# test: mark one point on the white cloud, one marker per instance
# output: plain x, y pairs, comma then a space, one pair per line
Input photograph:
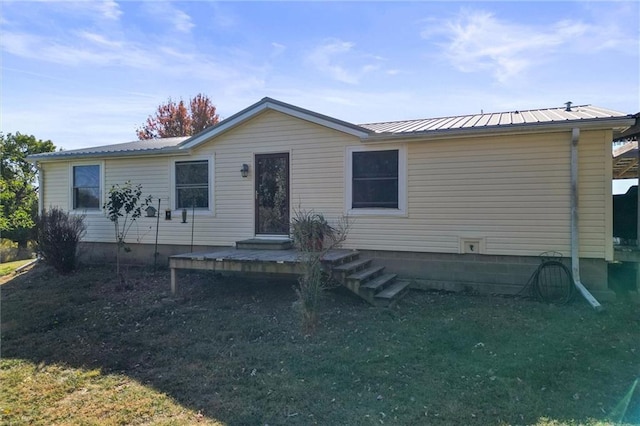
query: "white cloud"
166, 12
108, 9
182, 22
478, 40
278, 49
341, 61
98, 51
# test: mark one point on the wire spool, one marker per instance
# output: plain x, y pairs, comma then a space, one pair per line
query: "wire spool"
552, 282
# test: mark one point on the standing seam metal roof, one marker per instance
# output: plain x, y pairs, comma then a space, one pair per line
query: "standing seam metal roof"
473, 121
119, 148
537, 116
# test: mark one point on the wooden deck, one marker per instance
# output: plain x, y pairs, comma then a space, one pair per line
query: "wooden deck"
285, 262
626, 254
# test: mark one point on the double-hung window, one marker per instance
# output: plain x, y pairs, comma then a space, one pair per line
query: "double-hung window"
192, 184
376, 181
86, 187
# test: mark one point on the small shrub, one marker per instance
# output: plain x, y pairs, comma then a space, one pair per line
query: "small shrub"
58, 237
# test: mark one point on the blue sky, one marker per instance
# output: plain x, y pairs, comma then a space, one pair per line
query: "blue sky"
89, 73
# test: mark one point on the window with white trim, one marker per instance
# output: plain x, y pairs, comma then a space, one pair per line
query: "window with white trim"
192, 184
376, 181
86, 187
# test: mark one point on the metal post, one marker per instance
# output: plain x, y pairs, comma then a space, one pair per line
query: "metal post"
155, 248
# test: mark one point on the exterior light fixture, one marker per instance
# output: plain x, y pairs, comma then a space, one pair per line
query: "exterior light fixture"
244, 171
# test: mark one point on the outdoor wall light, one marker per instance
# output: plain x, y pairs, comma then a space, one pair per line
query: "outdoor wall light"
244, 171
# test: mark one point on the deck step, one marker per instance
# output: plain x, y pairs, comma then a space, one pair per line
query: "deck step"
264, 244
391, 293
352, 266
379, 283
336, 258
366, 274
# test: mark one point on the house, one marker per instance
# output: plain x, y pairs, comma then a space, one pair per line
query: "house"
465, 202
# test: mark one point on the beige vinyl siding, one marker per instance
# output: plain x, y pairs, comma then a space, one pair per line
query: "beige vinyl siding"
317, 163
316, 169
595, 197
512, 191
56, 185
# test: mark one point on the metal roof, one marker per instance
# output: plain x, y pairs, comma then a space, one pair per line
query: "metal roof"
127, 148
499, 119
423, 128
625, 161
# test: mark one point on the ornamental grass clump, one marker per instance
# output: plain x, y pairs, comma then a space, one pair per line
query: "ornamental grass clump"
314, 237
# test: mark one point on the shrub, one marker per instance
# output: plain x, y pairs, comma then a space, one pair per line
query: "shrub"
58, 237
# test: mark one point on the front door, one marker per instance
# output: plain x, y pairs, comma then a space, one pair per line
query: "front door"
272, 194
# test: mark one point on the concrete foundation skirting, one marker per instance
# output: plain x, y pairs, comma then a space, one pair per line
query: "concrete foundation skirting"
138, 254
481, 273
491, 274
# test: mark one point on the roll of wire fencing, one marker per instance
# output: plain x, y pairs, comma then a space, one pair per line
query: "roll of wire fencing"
551, 282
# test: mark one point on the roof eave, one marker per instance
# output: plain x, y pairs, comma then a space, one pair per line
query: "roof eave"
619, 123
61, 156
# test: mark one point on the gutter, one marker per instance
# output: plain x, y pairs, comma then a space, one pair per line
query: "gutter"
575, 237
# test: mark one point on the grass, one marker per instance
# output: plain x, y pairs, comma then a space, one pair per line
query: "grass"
8, 267
230, 351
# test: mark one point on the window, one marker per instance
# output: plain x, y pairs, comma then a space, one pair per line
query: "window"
375, 179
192, 184
86, 187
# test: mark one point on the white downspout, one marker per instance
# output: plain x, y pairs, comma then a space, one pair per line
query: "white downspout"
575, 237
40, 188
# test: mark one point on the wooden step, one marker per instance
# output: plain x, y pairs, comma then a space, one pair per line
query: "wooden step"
366, 274
339, 257
352, 266
264, 244
391, 294
379, 283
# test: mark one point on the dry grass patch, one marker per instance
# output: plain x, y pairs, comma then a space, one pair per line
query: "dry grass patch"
232, 350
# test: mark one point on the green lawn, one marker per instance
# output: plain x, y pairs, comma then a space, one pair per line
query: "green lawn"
230, 351
8, 267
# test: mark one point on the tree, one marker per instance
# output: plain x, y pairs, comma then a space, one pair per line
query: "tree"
18, 190
177, 119
123, 209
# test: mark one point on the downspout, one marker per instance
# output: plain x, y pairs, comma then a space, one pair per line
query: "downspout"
575, 237
40, 188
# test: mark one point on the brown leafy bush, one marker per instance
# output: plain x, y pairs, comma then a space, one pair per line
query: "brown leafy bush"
58, 237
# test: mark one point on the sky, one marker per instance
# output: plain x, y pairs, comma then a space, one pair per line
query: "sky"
89, 73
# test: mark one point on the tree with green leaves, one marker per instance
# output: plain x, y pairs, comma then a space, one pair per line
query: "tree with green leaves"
175, 119
18, 190
123, 208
